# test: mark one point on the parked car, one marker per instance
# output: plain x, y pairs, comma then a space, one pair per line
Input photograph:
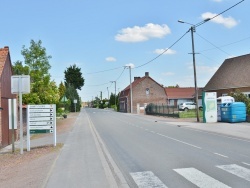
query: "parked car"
188, 106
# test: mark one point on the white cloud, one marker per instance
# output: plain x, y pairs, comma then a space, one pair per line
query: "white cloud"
110, 59
168, 52
139, 34
228, 22
131, 65
168, 73
201, 69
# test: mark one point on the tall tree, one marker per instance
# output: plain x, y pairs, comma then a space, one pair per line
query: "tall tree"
73, 76
61, 89
36, 59
19, 69
43, 91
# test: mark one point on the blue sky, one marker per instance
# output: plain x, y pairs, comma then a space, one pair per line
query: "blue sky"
99, 35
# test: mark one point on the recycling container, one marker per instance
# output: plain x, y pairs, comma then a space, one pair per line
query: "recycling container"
233, 112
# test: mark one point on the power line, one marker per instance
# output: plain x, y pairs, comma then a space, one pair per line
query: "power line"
213, 45
102, 71
163, 51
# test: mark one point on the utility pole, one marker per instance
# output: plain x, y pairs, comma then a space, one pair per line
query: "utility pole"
115, 92
131, 92
108, 96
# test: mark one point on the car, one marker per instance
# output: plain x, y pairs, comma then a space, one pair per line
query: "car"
185, 106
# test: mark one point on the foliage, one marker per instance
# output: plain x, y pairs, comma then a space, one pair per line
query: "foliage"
71, 94
73, 76
43, 91
61, 89
240, 97
176, 86
19, 69
36, 59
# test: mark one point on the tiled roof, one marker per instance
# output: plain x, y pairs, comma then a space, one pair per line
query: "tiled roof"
233, 73
3, 56
180, 93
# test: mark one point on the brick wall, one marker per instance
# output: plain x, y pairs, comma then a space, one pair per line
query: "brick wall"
147, 91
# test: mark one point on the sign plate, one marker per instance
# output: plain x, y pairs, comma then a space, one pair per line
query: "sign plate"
39, 131
41, 127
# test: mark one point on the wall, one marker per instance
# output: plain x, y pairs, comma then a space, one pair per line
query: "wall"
156, 94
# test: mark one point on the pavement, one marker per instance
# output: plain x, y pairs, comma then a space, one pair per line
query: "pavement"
95, 145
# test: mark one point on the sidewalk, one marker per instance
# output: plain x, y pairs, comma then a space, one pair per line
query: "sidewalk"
239, 130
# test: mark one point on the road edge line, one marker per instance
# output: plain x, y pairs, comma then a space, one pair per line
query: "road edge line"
113, 173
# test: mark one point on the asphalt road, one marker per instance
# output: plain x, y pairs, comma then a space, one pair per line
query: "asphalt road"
153, 153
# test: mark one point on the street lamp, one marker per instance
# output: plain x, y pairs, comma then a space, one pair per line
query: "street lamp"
131, 97
115, 92
192, 29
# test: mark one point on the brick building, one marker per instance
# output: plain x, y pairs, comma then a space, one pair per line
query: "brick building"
5, 94
145, 90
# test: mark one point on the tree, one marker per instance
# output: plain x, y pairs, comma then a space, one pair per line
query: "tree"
19, 69
43, 91
71, 94
240, 97
73, 76
61, 89
36, 59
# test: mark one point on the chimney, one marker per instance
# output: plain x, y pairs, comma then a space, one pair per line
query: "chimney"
6, 47
147, 74
136, 78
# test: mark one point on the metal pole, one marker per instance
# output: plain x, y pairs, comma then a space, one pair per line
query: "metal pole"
115, 95
195, 82
131, 97
21, 114
108, 96
12, 126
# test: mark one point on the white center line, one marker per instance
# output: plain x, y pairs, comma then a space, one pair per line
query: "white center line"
221, 155
179, 141
246, 163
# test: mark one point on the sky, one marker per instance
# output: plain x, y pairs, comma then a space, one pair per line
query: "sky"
103, 38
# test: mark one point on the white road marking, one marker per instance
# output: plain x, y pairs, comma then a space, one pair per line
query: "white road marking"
237, 170
221, 155
179, 141
199, 178
152, 131
246, 163
147, 179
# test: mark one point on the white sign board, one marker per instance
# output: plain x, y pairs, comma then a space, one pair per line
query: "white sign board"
20, 84
210, 107
14, 111
41, 119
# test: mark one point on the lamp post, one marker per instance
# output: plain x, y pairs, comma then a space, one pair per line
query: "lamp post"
192, 29
108, 96
131, 97
115, 92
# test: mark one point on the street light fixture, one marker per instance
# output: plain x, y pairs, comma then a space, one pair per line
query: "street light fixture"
192, 29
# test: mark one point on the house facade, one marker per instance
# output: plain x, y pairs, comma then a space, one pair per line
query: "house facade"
5, 94
232, 75
145, 90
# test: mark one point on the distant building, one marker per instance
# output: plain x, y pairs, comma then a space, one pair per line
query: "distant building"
232, 75
5, 94
145, 90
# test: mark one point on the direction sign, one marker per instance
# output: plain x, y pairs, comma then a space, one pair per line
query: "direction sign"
50, 106
41, 110
38, 131
41, 114
41, 119
31, 123
41, 127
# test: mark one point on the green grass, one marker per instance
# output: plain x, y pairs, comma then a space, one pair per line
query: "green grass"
189, 114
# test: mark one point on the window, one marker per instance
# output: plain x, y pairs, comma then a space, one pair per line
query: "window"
147, 91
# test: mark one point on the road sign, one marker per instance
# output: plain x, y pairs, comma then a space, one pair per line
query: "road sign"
40, 127
41, 131
41, 119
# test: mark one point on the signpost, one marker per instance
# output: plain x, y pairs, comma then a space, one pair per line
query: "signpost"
20, 84
41, 119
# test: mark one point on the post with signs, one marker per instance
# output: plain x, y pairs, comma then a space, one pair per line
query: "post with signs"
41, 119
20, 84
75, 101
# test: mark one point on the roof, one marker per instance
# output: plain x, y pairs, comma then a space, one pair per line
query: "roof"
3, 57
126, 91
233, 73
180, 93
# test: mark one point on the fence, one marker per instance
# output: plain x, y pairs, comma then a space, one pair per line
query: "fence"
163, 110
